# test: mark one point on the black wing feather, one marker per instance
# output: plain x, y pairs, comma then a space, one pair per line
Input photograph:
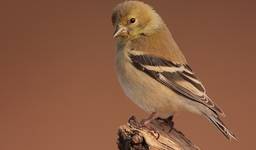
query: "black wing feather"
170, 79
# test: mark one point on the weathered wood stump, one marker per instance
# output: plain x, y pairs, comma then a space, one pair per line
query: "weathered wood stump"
160, 136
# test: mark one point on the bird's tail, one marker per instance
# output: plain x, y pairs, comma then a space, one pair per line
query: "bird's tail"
221, 126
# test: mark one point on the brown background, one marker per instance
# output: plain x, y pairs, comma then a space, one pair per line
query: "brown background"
58, 88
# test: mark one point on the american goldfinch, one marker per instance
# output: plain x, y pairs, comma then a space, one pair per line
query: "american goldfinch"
152, 70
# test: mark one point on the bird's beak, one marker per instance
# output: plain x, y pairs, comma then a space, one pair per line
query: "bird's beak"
120, 31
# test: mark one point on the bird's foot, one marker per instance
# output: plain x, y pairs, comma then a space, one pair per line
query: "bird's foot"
153, 131
168, 122
145, 123
149, 119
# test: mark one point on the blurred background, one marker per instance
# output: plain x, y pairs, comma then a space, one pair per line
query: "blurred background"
58, 87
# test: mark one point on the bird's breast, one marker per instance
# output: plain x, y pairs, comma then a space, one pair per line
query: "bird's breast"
143, 90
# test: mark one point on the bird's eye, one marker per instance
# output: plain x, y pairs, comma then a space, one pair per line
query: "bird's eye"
132, 20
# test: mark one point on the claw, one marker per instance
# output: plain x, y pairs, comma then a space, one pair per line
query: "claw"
168, 121
151, 129
149, 119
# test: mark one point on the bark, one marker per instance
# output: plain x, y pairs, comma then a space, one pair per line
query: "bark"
158, 135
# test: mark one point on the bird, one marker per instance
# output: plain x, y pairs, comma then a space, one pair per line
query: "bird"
152, 70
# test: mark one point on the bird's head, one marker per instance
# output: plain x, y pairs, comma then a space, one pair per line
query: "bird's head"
132, 19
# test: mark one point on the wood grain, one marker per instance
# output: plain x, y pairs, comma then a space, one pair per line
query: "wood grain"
158, 135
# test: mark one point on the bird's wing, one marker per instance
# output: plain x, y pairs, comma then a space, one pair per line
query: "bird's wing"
178, 77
